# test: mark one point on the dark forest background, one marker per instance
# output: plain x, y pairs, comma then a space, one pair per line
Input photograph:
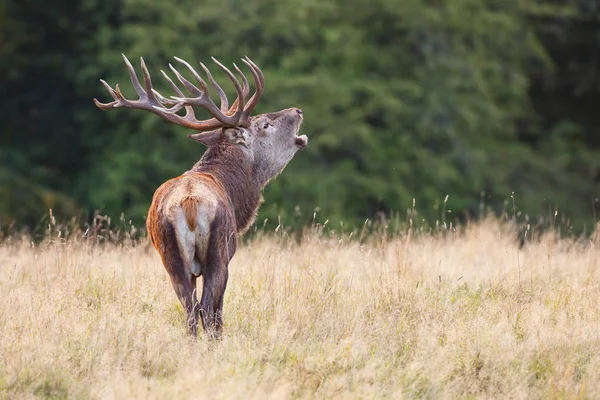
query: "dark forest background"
403, 99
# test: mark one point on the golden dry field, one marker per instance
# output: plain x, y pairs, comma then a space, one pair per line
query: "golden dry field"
464, 314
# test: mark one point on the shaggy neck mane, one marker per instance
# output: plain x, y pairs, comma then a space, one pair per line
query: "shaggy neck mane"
231, 168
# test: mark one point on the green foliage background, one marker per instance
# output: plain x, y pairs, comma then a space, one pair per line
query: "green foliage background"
403, 100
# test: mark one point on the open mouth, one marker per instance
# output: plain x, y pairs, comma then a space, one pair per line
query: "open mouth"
301, 141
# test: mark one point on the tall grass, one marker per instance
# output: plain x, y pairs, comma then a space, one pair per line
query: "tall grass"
467, 314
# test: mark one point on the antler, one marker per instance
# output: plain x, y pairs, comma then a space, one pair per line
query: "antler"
151, 100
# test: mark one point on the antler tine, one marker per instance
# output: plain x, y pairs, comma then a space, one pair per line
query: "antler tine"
164, 100
245, 89
240, 93
188, 85
194, 73
171, 83
134, 79
122, 98
148, 83
175, 106
258, 70
259, 82
245, 86
107, 106
222, 95
170, 102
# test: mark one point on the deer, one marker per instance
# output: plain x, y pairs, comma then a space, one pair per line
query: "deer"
195, 219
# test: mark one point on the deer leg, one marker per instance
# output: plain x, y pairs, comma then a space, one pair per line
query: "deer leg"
211, 303
218, 306
222, 246
185, 287
183, 281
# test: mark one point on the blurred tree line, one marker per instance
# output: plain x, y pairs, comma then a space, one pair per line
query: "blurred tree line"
474, 99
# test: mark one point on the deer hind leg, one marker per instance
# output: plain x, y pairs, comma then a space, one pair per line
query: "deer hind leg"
185, 288
221, 248
211, 303
184, 282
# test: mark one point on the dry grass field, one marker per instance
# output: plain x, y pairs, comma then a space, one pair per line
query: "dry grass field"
459, 315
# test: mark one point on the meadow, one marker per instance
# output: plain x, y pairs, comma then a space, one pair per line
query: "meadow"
465, 313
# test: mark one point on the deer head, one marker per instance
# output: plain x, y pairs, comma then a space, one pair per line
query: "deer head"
265, 142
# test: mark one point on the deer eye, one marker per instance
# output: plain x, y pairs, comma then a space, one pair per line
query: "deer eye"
266, 125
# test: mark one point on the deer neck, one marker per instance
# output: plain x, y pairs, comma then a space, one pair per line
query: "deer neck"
239, 180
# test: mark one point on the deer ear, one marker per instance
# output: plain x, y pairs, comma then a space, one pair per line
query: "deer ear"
208, 138
236, 135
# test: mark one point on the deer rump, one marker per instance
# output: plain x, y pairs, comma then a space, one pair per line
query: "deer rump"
188, 207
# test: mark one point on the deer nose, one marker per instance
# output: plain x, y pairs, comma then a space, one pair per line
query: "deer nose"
299, 111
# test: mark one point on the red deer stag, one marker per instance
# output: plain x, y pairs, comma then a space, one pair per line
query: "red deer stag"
195, 219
